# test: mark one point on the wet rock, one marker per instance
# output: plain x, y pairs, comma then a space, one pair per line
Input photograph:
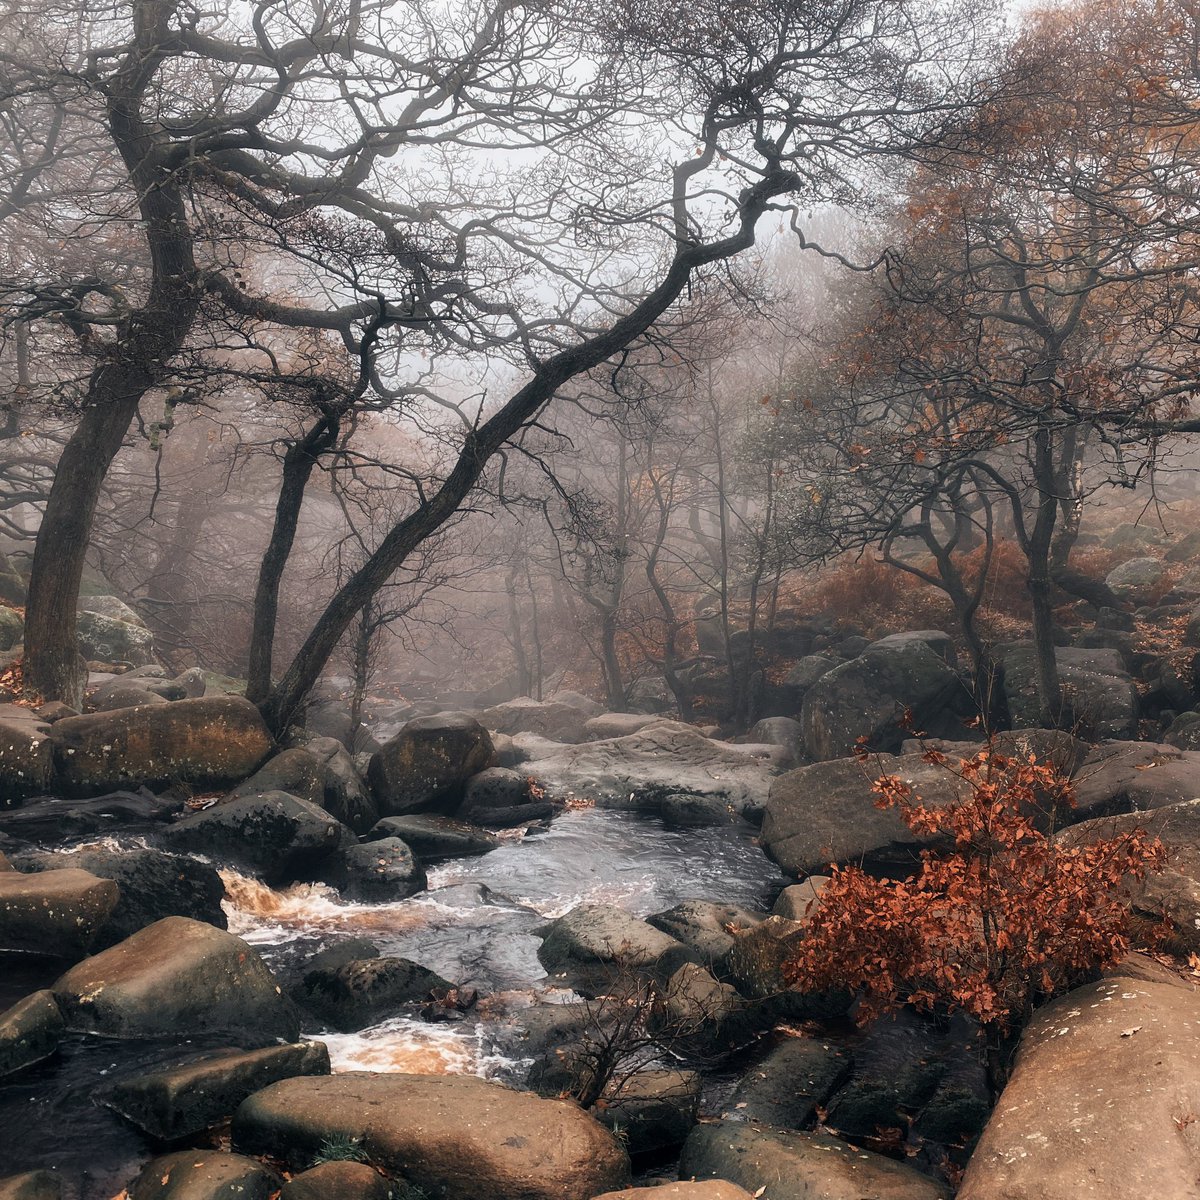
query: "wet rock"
800, 1166
799, 902
1101, 1101
29, 1032
593, 945
432, 837
56, 912
204, 743
640, 770
427, 763
495, 787
710, 1189
708, 927
786, 1088
50, 820
205, 1175
363, 992
152, 884
32, 1185
109, 640
552, 719
339, 1181
375, 872
1098, 687
26, 755
188, 1099
451, 1136
299, 772
697, 1011
176, 974
652, 1111
276, 836
683, 811
347, 796
868, 696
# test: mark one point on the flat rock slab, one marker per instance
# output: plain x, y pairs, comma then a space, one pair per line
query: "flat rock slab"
176, 974
779, 1164
54, 912
205, 1175
452, 1136
204, 743
188, 1099
1102, 1102
29, 1032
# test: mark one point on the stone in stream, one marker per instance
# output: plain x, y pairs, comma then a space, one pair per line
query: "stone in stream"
451, 1136
699, 1012
363, 992
788, 1165
431, 836
297, 771
500, 798
205, 1175
594, 945
186, 1100
800, 901
1103, 1098
278, 837
374, 872
786, 1088
176, 975
427, 763
153, 885
339, 1181
32, 1185
653, 1111
708, 927
204, 743
682, 810
29, 1032
347, 796
54, 912
47, 819
26, 755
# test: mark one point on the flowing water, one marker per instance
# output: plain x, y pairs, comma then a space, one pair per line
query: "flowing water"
476, 925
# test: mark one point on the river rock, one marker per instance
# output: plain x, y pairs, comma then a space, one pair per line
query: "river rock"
640, 770
32, 1185
26, 755
594, 944
276, 836
708, 927
204, 743
801, 1166
550, 718
376, 872
347, 796
1100, 692
205, 1175
681, 810
152, 884
54, 912
363, 992
709, 1189
452, 1136
697, 1011
427, 763
800, 901
185, 1100
109, 640
786, 1088
867, 697
651, 1110
297, 771
49, 819
1102, 1100
29, 1032
431, 836
339, 1181
176, 974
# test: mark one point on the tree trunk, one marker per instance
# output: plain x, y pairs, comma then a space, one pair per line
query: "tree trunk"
1040, 583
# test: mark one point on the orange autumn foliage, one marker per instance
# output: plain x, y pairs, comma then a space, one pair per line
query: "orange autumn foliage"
1003, 920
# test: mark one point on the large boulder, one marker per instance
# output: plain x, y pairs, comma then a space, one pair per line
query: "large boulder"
205, 743
1135, 776
185, 1100
347, 796
339, 1180
362, 992
1102, 1101
431, 836
549, 718
593, 945
787, 1165
152, 885
868, 697
787, 1087
709, 1189
427, 763
26, 755
12, 627
297, 771
1138, 581
451, 1136
54, 912
1095, 684
205, 1175
50, 820
651, 1110
640, 770
708, 927
29, 1032
122, 694
174, 975
374, 872
276, 836
110, 640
